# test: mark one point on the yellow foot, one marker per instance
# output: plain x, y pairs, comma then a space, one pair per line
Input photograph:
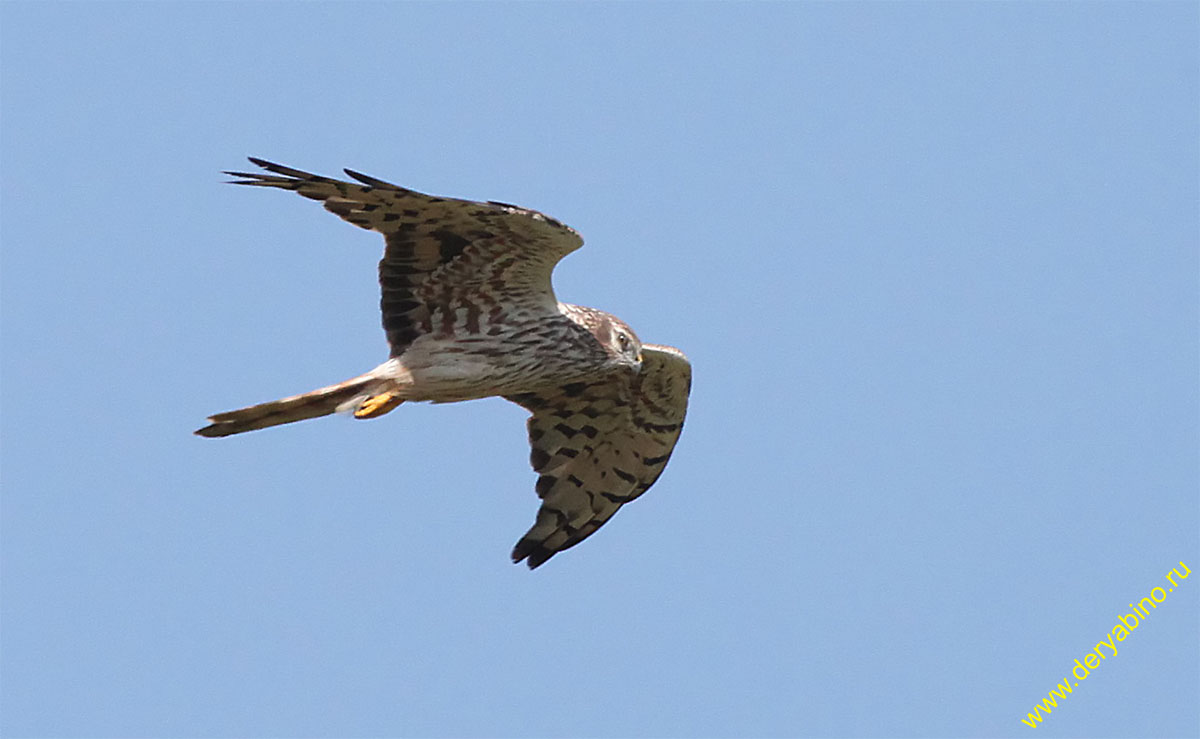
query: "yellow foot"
377, 405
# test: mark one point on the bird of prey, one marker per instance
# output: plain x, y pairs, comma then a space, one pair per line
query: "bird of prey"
469, 312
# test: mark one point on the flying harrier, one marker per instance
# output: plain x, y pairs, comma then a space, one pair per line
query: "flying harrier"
469, 313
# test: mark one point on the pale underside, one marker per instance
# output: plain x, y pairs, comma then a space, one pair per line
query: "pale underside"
469, 312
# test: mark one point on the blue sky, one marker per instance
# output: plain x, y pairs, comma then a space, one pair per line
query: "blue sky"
935, 266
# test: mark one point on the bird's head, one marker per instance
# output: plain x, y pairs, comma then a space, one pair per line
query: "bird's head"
621, 345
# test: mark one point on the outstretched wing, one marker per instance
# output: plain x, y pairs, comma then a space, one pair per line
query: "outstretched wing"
598, 445
441, 252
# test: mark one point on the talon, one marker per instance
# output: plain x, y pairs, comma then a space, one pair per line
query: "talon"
377, 405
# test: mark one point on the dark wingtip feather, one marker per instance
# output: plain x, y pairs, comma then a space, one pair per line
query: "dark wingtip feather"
279, 169
246, 178
521, 551
367, 179
532, 552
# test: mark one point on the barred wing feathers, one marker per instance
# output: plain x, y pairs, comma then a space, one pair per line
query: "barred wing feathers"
444, 257
598, 445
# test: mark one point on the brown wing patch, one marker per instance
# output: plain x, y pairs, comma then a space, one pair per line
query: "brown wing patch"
598, 445
446, 259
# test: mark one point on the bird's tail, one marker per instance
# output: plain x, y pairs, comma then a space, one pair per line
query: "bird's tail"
366, 395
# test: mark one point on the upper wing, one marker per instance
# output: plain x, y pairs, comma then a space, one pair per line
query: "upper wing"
599, 445
440, 251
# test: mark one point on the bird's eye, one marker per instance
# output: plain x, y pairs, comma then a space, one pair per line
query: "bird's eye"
623, 340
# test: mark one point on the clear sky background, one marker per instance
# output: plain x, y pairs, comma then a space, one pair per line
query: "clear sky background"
935, 266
